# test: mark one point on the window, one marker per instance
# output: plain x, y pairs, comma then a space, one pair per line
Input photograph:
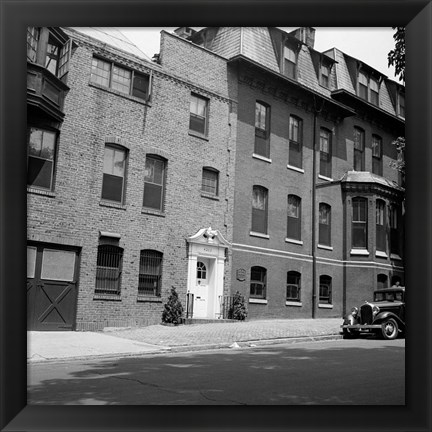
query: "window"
201, 271
258, 282
359, 142
359, 223
150, 273
363, 86
262, 130
382, 281
324, 224
33, 34
401, 105
374, 91
114, 174
198, 114
293, 286
377, 155
325, 290
294, 217
325, 76
259, 209
290, 62
325, 153
154, 183
295, 158
108, 74
210, 181
394, 230
380, 226
368, 88
41, 158
108, 269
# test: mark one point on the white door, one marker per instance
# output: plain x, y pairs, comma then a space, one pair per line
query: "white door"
201, 289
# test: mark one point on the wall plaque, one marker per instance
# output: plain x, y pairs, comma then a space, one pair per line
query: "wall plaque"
241, 275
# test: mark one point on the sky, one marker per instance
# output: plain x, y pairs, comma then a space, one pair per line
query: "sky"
369, 44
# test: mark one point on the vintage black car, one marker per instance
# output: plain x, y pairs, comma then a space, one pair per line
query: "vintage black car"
384, 316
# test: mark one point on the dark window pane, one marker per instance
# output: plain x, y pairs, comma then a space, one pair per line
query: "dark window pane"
140, 86
152, 196
197, 124
262, 147
295, 154
112, 188
40, 173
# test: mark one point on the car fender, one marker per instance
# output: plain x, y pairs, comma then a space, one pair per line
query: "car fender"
384, 315
351, 320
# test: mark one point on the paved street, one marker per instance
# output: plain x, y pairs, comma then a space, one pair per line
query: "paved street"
339, 372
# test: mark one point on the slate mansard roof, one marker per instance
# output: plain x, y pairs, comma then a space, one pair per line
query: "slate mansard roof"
264, 46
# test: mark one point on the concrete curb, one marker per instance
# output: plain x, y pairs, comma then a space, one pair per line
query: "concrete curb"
189, 348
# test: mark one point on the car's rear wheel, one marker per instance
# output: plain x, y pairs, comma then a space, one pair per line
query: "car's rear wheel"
389, 329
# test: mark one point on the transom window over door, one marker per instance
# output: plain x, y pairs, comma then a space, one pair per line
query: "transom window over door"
114, 171
41, 158
198, 114
154, 183
295, 156
259, 209
359, 223
294, 217
262, 129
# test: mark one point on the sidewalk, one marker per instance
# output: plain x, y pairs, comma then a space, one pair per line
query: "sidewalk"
112, 342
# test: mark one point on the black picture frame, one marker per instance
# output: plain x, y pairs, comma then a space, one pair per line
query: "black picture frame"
416, 15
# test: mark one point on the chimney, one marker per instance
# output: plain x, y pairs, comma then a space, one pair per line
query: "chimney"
184, 32
306, 35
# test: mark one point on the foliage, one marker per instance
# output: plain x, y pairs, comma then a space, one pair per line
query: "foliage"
399, 164
173, 309
238, 310
396, 57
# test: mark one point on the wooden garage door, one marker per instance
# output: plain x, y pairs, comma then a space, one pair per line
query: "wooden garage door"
52, 287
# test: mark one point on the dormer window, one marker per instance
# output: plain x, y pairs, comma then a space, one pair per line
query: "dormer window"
368, 88
290, 62
325, 76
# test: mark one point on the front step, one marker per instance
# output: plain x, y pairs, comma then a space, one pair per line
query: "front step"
207, 321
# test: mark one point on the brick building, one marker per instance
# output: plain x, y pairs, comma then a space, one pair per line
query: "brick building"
207, 169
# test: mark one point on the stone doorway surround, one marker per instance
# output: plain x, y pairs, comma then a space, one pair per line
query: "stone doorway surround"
209, 246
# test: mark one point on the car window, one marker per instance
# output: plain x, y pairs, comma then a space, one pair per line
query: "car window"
379, 296
399, 296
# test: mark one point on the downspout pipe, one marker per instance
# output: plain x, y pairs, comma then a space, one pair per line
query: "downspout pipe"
314, 215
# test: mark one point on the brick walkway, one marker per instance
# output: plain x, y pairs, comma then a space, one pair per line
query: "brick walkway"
221, 333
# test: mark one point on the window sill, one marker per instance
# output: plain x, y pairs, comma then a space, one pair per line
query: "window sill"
258, 301
395, 257
112, 204
320, 246
43, 192
381, 254
359, 252
293, 168
209, 196
256, 234
293, 241
118, 93
110, 297
263, 158
325, 306
324, 178
293, 303
149, 299
152, 212
198, 135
